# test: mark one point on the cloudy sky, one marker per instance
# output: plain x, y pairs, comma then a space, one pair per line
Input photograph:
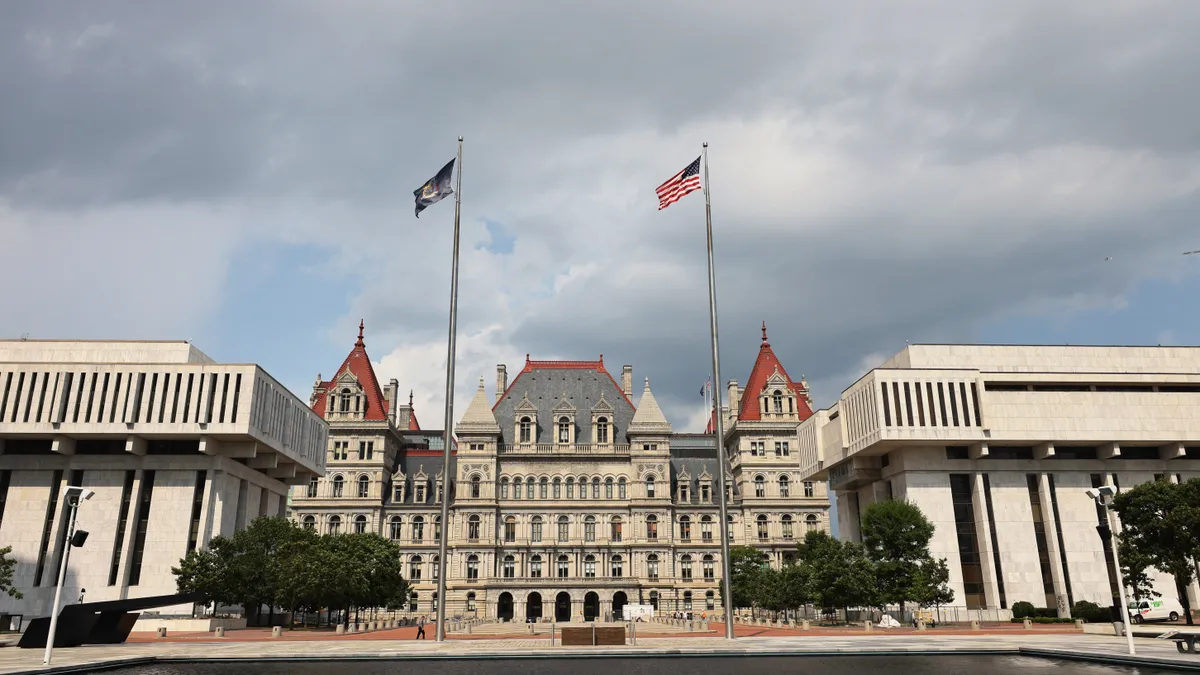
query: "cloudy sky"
241, 175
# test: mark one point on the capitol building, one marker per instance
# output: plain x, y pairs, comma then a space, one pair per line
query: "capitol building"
571, 495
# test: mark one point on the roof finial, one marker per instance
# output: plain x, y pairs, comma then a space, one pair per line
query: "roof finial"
647, 383
526, 357
410, 398
764, 330
360, 334
601, 359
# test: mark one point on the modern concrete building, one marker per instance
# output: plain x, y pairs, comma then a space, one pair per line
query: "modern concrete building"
998, 444
176, 447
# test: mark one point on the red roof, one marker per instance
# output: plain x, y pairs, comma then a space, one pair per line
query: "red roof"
597, 366
764, 367
359, 364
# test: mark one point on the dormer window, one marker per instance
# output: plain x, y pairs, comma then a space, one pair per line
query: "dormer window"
564, 430
602, 430
526, 430
777, 398
345, 401
683, 492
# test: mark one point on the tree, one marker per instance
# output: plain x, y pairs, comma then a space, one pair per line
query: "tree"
746, 572
896, 537
1135, 566
1159, 519
837, 574
931, 584
6, 573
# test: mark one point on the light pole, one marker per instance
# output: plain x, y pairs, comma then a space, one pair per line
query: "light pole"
72, 498
1103, 496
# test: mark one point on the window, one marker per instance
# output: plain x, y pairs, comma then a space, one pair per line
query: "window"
729, 526
338, 484
563, 529
685, 568
364, 487
394, 527
335, 524
808, 489
687, 600
437, 527
535, 566
777, 400
617, 565
503, 488
398, 491
509, 567
418, 529
787, 527
602, 430
615, 533
529, 488
510, 529
345, 401
412, 602
810, 523
654, 600
706, 528
544, 488
683, 492
564, 568
420, 498
685, 528
652, 566
366, 450
558, 488
608, 488
589, 567
536, 529
471, 602
475, 487
360, 524
781, 448
705, 493
784, 487
433, 602
310, 523
526, 430
570, 487
589, 528
621, 488
652, 527
472, 567
595, 488
758, 448
650, 487
564, 430
435, 566
760, 486
583, 487
710, 601
762, 527
473, 527
707, 564
312, 488
414, 568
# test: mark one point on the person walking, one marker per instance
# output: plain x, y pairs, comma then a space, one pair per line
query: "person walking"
421, 628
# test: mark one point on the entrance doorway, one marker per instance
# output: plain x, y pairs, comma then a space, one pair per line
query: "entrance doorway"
591, 606
562, 607
504, 609
619, 602
533, 607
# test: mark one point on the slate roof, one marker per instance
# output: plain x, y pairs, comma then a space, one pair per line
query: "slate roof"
546, 383
764, 367
359, 364
693, 454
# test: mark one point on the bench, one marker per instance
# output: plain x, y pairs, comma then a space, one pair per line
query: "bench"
1184, 642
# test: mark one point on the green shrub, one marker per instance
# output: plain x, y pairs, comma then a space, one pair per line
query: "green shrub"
1046, 612
1045, 619
1091, 612
1022, 609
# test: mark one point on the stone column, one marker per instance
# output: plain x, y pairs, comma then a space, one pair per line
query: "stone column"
983, 540
1050, 524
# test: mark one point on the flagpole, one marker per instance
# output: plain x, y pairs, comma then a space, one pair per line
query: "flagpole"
726, 576
447, 434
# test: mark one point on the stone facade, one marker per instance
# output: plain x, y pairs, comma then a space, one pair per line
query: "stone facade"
998, 445
568, 500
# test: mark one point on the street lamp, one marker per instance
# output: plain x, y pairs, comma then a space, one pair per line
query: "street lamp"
1103, 496
74, 496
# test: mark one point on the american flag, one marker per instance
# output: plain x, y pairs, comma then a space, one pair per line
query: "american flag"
679, 185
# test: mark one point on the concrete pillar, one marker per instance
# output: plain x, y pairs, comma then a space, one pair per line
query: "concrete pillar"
983, 539
1028, 624
805, 625
277, 631
220, 631
340, 630
162, 632
1051, 527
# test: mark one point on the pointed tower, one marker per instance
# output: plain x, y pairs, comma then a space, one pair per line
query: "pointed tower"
478, 420
649, 431
477, 433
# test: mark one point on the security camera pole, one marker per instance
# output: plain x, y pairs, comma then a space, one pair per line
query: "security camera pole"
1103, 496
73, 496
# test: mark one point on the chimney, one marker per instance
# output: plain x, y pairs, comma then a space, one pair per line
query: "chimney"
627, 380
501, 380
735, 398
392, 394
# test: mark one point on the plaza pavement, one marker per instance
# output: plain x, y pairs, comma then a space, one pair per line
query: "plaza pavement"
1060, 644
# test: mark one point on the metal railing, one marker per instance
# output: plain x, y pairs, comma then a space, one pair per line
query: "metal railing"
562, 449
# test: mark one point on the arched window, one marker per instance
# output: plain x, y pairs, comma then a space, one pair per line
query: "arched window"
810, 523
762, 526
654, 600
471, 601
708, 564
437, 527
335, 524
394, 527
729, 526
310, 522
535, 566
650, 487
472, 567
564, 567
786, 523
617, 563
602, 430
570, 487
652, 566
526, 430
685, 528
710, 601
345, 401
557, 487
784, 486
510, 529
504, 488
338, 484
652, 527
473, 527
509, 568
596, 488
435, 566
364, 487
589, 567
685, 567
589, 528
418, 528
563, 529
414, 568
413, 600
687, 601
360, 524
583, 487
760, 486
608, 488
312, 487
535, 534
544, 488
621, 488
564, 430
529, 487
706, 528
476, 484
615, 529
777, 399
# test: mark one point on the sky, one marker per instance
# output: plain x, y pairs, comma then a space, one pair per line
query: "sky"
241, 175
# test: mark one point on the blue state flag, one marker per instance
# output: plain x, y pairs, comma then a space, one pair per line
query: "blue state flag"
435, 189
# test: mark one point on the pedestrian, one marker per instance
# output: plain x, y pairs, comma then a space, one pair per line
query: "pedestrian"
421, 628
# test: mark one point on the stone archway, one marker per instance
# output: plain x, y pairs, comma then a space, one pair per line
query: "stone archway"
504, 608
533, 607
619, 601
562, 607
591, 606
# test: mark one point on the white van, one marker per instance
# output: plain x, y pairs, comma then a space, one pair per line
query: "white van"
1159, 609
